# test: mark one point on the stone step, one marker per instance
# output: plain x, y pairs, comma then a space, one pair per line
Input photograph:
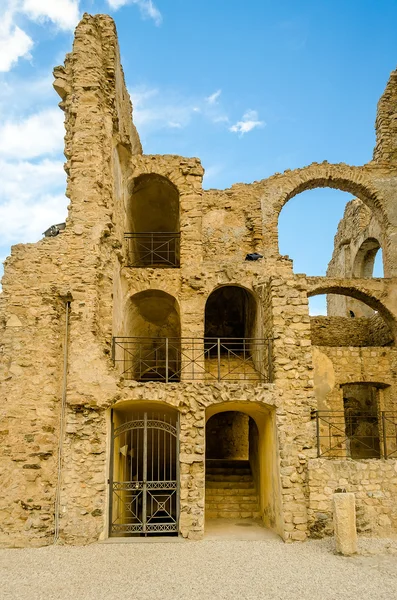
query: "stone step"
226, 463
235, 514
227, 471
235, 499
229, 484
225, 478
233, 491
226, 506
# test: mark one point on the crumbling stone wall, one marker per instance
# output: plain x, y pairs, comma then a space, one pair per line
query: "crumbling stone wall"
345, 331
374, 484
82, 274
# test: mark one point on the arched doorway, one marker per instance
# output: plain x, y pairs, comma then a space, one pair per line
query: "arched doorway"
153, 222
242, 468
234, 348
144, 471
231, 463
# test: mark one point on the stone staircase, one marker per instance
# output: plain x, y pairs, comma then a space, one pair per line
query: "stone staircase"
230, 490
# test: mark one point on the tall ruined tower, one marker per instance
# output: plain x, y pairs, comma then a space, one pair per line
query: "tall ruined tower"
152, 378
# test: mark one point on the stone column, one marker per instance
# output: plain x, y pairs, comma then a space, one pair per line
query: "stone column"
345, 523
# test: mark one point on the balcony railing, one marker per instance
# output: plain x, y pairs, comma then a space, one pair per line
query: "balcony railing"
361, 435
193, 359
153, 249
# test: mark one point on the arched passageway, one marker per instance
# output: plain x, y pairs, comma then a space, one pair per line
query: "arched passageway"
153, 222
242, 479
144, 470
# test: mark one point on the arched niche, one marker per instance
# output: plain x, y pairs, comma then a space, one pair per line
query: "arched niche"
234, 348
153, 226
152, 324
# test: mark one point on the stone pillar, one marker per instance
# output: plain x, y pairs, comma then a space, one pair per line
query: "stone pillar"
286, 303
344, 506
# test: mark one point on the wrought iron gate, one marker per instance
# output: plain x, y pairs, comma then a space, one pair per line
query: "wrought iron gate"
144, 474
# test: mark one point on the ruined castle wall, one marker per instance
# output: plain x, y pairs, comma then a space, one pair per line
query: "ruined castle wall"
86, 266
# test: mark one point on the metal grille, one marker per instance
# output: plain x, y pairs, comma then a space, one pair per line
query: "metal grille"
144, 474
153, 249
190, 359
358, 436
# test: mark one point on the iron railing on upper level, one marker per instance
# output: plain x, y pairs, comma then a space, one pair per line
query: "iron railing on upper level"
341, 434
151, 249
193, 359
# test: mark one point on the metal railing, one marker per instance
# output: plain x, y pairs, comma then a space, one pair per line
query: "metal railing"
389, 433
151, 249
193, 359
360, 435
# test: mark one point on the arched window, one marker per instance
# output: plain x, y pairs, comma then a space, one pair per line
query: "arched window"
153, 223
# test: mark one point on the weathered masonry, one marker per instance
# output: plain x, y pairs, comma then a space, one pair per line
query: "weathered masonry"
152, 378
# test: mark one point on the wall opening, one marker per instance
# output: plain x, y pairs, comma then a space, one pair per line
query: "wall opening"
152, 348
153, 238
361, 409
233, 344
367, 255
230, 313
144, 471
307, 226
242, 469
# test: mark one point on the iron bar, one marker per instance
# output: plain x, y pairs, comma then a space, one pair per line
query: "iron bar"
360, 435
144, 503
153, 249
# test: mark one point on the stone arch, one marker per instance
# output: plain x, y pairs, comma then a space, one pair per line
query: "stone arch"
337, 176
263, 456
365, 296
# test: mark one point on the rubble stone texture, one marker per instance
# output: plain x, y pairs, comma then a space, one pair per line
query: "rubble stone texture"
55, 425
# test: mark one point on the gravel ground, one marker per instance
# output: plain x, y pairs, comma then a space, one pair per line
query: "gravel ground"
227, 569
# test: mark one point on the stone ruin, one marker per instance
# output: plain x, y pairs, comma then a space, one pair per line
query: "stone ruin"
152, 377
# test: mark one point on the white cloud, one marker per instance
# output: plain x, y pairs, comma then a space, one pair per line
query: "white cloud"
248, 122
36, 135
32, 199
153, 110
213, 99
171, 109
147, 8
63, 13
14, 43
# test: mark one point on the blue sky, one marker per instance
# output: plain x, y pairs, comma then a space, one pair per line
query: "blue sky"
251, 88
